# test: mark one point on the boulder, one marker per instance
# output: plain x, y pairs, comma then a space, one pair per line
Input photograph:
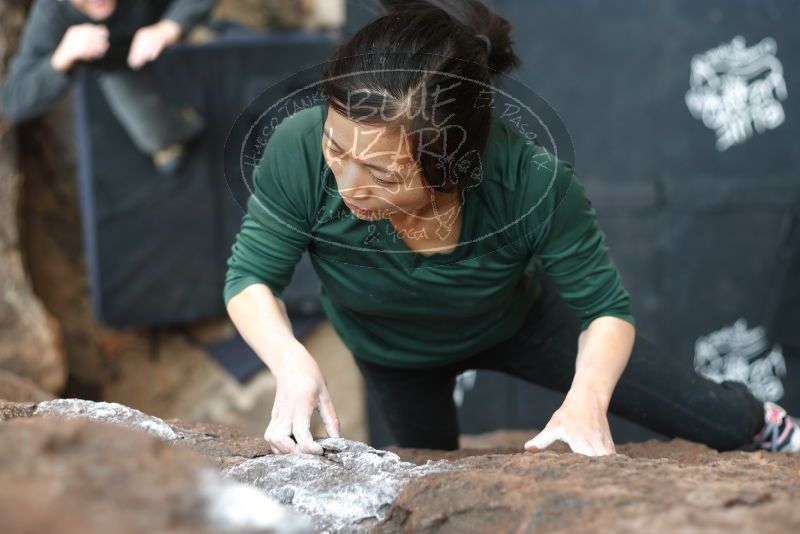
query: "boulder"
655, 486
83, 476
349, 488
52, 450
18, 389
30, 338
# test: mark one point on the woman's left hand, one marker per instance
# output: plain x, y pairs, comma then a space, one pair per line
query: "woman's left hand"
581, 422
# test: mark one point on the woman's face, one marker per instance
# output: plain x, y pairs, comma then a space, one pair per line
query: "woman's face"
95, 9
374, 168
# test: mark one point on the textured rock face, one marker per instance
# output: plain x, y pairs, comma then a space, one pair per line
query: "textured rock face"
106, 411
349, 489
17, 389
675, 486
225, 445
30, 339
83, 476
60, 464
12, 410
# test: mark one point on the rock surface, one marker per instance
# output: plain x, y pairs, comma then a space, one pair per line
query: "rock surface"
12, 410
348, 489
17, 389
656, 486
83, 476
30, 338
225, 445
106, 411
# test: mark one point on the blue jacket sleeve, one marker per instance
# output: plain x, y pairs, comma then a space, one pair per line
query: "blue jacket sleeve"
189, 13
32, 85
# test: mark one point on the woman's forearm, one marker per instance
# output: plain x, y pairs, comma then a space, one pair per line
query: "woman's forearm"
262, 320
603, 352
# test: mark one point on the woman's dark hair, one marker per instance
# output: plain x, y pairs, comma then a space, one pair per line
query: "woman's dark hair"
421, 67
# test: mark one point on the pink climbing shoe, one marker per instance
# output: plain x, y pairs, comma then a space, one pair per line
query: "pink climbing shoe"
781, 432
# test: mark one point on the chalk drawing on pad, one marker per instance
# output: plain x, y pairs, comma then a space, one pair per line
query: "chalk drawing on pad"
736, 89
744, 355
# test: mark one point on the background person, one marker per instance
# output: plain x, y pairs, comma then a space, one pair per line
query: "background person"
120, 37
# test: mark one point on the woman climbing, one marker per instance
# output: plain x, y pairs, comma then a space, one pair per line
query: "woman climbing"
445, 241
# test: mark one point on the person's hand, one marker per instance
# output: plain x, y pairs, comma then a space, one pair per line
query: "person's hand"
301, 390
81, 42
581, 422
150, 41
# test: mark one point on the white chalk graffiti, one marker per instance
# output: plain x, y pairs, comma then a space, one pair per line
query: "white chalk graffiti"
464, 382
735, 89
742, 355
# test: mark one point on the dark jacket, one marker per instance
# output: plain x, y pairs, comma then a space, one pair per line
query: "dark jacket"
33, 85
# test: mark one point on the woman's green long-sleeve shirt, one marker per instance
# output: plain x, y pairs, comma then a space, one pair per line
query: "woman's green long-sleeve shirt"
400, 308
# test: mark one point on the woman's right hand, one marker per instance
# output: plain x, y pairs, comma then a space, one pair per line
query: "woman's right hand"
301, 389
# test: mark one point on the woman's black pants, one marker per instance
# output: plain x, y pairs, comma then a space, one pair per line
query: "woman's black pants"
657, 390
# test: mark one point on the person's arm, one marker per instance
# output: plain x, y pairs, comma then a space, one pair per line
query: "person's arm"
603, 352
188, 13
33, 84
581, 421
572, 250
180, 16
261, 319
274, 233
